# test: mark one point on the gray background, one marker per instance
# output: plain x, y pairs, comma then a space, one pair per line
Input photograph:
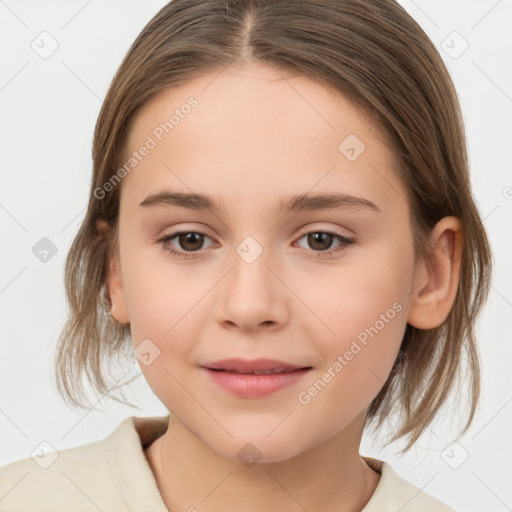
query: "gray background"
49, 107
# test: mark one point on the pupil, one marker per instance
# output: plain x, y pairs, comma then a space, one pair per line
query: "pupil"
190, 238
314, 238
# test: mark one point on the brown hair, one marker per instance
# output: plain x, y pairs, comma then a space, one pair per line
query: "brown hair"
378, 56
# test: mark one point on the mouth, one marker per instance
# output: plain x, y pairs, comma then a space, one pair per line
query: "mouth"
254, 378
253, 366
261, 372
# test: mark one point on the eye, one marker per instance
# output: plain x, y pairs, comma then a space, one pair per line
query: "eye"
191, 241
321, 240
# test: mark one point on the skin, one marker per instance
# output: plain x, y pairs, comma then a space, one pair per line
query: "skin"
256, 136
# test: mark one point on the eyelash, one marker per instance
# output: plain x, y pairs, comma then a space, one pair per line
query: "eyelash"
184, 255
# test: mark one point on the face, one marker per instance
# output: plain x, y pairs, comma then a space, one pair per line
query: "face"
320, 288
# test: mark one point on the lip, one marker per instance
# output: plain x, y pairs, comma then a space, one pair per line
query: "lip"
252, 385
250, 365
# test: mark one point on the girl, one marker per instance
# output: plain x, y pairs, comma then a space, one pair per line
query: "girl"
281, 228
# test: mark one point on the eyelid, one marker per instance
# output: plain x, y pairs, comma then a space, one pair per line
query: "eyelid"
303, 231
335, 230
183, 227
345, 242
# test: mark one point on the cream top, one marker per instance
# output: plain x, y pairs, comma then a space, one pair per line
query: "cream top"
113, 474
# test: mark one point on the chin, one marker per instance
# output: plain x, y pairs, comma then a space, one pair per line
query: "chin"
252, 450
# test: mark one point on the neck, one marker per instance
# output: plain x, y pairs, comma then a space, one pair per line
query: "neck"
329, 477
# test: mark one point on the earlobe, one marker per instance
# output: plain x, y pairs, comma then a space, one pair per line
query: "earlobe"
118, 310
437, 278
114, 283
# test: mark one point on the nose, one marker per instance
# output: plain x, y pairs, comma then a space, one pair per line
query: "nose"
252, 296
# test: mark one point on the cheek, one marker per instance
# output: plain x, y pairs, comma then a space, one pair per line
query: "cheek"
371, 286
363, 309
357, 363
160, 295
165, 305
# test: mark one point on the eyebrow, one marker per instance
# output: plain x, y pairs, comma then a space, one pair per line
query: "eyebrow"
295, 203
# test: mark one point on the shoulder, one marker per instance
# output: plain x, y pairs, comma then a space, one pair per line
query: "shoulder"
110, 475
395, 493
71, 479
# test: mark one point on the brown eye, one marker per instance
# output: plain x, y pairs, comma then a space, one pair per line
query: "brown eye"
191, 241
187, 241
321, 242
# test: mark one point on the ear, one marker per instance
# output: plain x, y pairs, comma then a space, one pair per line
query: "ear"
114, 283
437, 279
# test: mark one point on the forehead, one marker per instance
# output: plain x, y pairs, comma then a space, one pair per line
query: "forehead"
254, 91
256, 129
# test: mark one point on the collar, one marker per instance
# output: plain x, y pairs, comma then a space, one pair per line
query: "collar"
132, 475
